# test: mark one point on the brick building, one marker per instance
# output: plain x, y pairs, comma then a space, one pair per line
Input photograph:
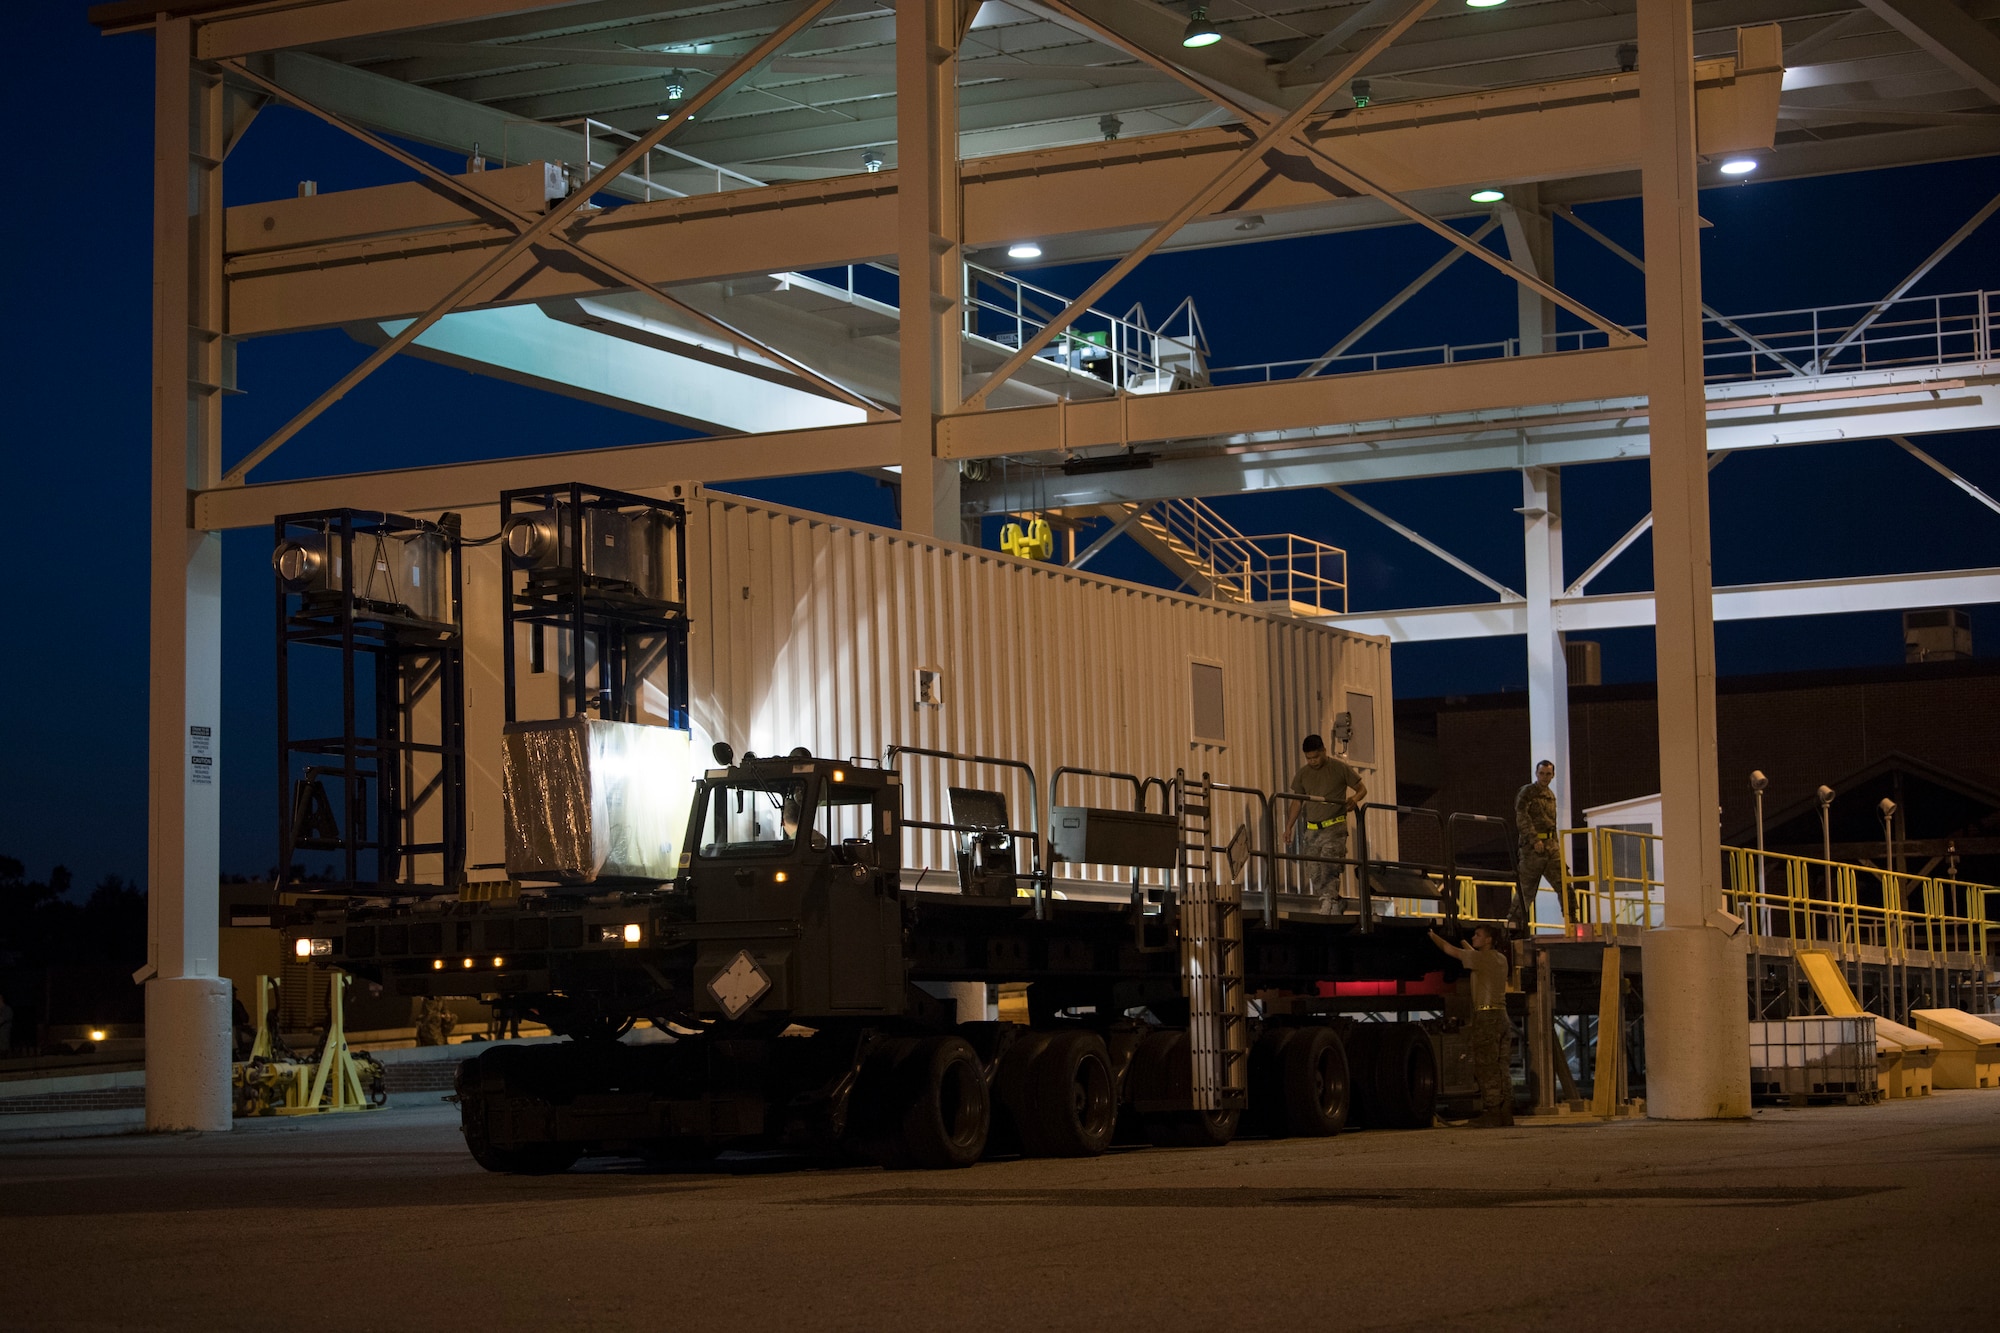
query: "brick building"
1801, 728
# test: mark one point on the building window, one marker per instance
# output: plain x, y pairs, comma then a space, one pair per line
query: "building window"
1205, 682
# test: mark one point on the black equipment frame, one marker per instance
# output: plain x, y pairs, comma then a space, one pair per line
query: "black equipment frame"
631, 634
412, 662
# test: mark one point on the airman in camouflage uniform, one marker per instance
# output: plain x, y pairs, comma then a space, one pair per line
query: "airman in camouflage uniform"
1535, 819
1485, 959
1335, 789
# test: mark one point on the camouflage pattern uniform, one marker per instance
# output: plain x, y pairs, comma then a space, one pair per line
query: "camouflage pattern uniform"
1329, 785
1492, 1053
1541, 849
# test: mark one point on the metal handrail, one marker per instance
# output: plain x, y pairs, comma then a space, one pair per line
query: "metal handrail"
1039, 876
1771, 344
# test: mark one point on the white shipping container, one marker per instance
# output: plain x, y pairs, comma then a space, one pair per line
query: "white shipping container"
846, 638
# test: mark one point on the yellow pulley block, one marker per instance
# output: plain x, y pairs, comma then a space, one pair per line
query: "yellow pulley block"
1037, 542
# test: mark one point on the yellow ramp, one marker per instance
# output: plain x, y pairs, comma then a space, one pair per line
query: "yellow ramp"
1828, 984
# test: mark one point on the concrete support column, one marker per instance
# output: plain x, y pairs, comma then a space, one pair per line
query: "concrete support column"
928, 256
1531, 245
187, 1004
1548, 669
1697, 1019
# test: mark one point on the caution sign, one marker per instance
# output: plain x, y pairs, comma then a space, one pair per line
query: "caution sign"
201, 756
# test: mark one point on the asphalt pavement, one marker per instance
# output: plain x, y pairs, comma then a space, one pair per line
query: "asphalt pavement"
1861, 1217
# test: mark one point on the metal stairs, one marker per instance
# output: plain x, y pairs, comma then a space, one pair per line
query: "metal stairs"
1212, 559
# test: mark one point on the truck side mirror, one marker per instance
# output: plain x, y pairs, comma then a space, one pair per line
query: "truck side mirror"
724, 755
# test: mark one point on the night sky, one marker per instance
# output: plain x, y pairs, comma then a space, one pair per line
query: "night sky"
73, 693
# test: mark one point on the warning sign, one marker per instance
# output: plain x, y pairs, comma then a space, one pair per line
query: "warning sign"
201, 756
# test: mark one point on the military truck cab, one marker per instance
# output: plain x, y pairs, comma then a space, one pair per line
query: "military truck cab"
793, 868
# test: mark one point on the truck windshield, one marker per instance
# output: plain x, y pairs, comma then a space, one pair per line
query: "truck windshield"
751, 818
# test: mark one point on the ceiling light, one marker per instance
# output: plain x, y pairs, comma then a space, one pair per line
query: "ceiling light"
1483, 4
872, 160
1739, 166
1488, 196
1200, 32
1360, 92
676, 90
1024, 250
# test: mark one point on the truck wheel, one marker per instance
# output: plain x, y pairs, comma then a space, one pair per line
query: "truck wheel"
1406, 1078
1193, 1129
1012, 1108
1267, 1083
530, 1159
1315, 1083
945, 1112
1072, 1099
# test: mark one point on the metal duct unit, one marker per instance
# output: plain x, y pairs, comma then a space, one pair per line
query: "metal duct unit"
397, 571
630, 552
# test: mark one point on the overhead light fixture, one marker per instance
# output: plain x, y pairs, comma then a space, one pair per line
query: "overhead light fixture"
1024, 250
1360, 92
1251, 223
1488, 196
1200, 32
1110, 125
1739, 166
1483, 4
1628, 57
872, 160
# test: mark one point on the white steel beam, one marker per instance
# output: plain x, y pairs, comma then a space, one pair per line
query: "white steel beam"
1697, 1027
637, 467
187, 1004
1947, 474
1758, 601
1157, 30
528, 235
1953, 38
1859, 405
1396, 302
1429, 392
930, 270
1901, 289
523, 345
1411, 535
397, 259
1548, 667
1272, 132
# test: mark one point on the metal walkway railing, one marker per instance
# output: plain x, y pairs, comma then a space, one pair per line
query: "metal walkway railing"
1202, 547
1916, 331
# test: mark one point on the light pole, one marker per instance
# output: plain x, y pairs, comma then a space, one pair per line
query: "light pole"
1757, 784
1888, 809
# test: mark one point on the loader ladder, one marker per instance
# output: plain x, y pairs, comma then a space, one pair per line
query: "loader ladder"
1211, 955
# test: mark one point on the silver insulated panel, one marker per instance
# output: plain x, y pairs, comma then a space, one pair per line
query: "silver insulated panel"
589, 801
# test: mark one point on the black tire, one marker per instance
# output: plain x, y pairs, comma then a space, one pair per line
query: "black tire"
1193, 1129
529, 1159
1072, 1098
1316, 1084
1267, 1083
1012, 1112
1406, 1078
944, 1112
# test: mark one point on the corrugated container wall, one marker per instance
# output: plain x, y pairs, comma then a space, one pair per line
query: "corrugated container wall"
847, 639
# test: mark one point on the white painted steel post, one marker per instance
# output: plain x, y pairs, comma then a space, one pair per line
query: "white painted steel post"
1548, 670
1697, 1020
928, 257
187, 1004
1531, 246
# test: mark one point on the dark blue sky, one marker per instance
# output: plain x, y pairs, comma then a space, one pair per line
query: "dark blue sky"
77, 287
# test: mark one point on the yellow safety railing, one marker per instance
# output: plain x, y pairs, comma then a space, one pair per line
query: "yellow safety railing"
1807, 901
1811, 903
